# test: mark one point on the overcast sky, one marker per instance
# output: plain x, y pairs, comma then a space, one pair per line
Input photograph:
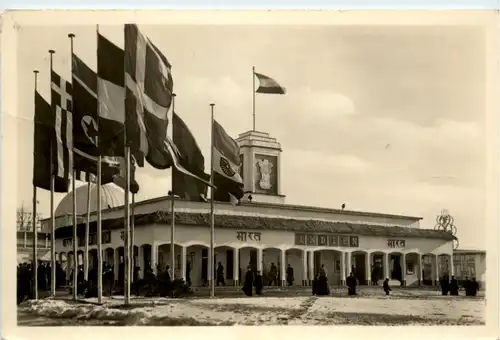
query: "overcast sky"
388, 120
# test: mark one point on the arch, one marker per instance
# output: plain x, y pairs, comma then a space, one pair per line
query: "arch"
272, 266
331, 260
294, 258
164, 258
146, 250
225, 256
377, 264
359, 265
197, 264
428, 269
248, 256
196, 243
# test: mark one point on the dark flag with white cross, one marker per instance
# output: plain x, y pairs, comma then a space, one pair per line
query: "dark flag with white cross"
149, 85
63, 137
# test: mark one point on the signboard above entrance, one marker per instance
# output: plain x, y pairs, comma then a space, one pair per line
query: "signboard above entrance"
302, 239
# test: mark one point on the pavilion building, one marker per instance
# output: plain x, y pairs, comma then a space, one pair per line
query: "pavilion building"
259, 231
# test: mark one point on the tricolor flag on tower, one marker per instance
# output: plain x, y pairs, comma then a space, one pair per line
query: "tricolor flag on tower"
268, 85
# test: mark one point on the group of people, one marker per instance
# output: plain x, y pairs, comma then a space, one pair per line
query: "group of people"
150, 284
44, 279
452, 286
251, 281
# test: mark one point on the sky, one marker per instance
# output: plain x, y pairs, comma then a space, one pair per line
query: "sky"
385, 119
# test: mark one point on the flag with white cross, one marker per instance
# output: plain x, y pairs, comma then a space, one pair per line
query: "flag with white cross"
149, 86
62, 146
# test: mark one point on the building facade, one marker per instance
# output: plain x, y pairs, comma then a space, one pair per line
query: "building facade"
471, 264
261, 231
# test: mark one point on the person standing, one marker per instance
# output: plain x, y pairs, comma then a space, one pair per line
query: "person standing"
220, 274
258, 283
188, 273
289, 275
387, 289
273, 273
248, 284
453, 286
474, 287
351, 285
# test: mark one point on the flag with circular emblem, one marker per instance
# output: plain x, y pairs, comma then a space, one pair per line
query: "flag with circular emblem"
226, 164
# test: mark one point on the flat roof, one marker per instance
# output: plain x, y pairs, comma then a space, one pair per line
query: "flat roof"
469, 251
272, 223
274, 206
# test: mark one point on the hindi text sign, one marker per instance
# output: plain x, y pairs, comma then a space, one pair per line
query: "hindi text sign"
396, 243
244, 235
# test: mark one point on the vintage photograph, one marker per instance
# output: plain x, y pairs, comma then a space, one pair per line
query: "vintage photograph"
250, 174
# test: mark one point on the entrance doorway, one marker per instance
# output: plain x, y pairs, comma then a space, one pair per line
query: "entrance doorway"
396, 272
359, 267
317, 262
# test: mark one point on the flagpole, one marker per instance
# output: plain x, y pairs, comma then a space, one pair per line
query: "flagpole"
35, 234
99, 228
87, 232
253, 102
211, 264
52, 214
99, 208
172, 202
52, 229
126, 248
132, 238
75, 225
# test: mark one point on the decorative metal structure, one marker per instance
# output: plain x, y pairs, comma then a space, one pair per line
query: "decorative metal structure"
445, 222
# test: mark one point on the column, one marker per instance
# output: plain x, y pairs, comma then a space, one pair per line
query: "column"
259, 259
452, 266
236, 267
304, 268
403, 270
436, 270
420, 270
283, 267
183, 262
116, 263
348, 263
311, 267
386, 266
342, 268
368, 271
154, 257
141, 262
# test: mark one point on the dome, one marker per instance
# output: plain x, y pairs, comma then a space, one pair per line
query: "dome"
111, 196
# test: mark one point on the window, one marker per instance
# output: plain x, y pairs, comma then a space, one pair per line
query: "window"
465, 265
410, 270
106, 236
337, 266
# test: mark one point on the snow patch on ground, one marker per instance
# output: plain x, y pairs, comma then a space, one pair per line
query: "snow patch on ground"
263, 311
